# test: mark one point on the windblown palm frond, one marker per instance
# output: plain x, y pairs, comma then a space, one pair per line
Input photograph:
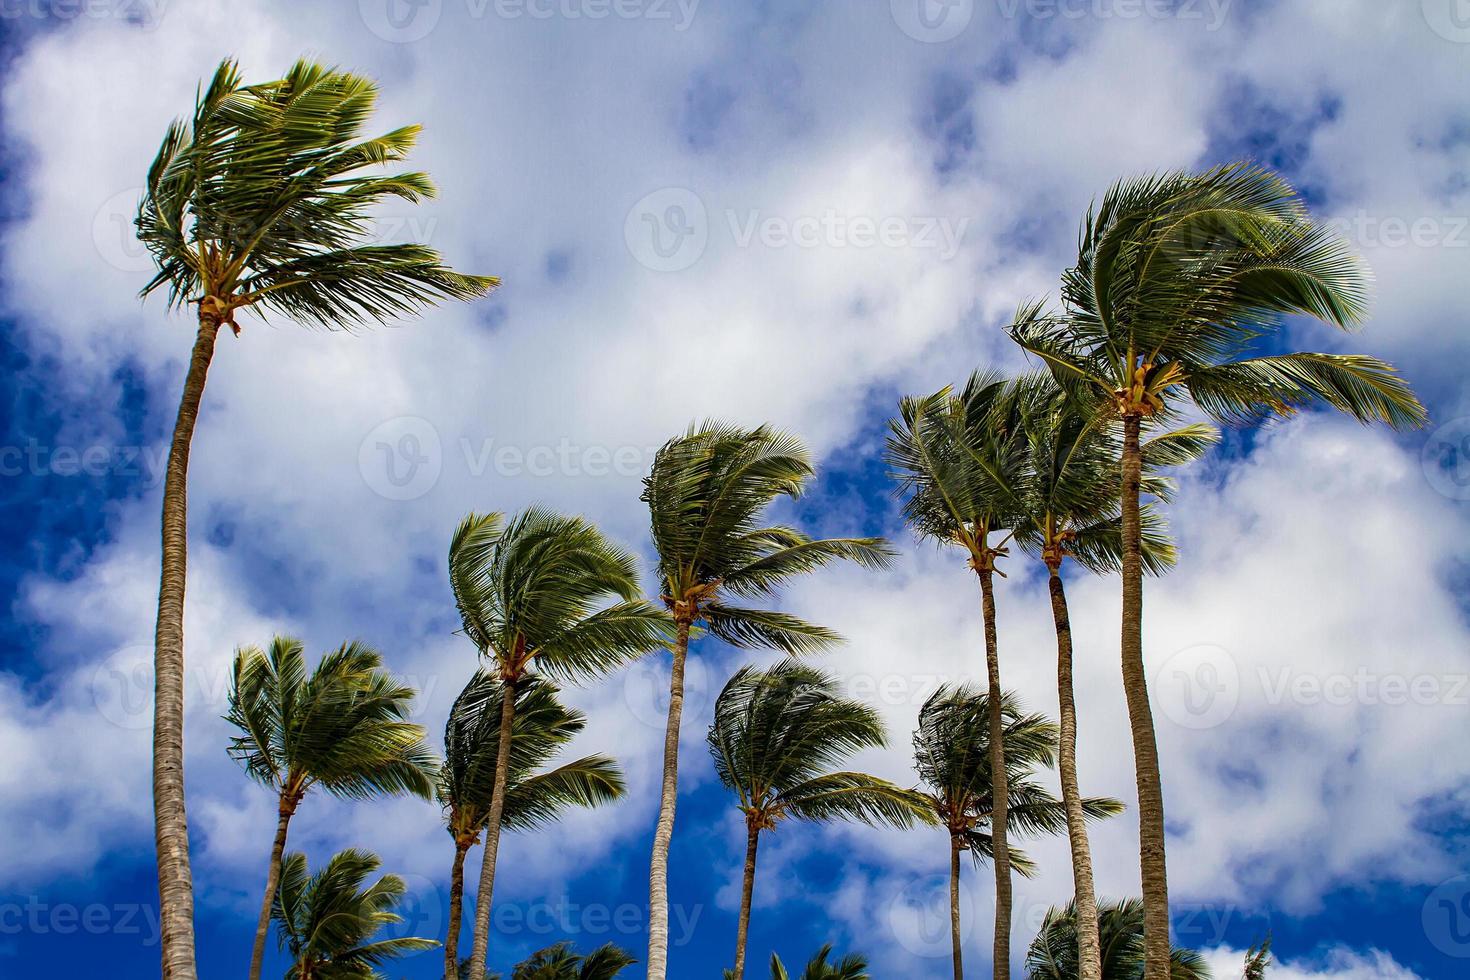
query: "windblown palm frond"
328, 922
1053, 953
267, 198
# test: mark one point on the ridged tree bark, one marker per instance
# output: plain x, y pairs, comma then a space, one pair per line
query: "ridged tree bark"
480, 947
456, 908
999, 785
286, 810
1141, 720
658, 870
954, 908
170, 823
1089, 952
747, 888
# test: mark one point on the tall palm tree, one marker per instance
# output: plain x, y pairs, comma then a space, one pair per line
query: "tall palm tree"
1053, 953
259, 202
1070, 508
344, 728
959, 460
853, 966
777, 734
327, 921
1180, 280
547, 594
953, 758
534, 798
707, 495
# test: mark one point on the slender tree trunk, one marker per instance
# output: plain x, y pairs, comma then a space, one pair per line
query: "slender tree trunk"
752, 840
481, 944
272, 879
999, 786
456, 909
170, 824
954, 907
1089, 952
1141, 720
658, 871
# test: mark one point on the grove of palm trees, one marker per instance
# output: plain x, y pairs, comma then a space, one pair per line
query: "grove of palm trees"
752, 595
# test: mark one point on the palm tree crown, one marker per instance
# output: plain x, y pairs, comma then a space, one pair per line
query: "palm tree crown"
328, 921
853, 966
259, 201
1053, 953
777, 734
707, 493
344, 727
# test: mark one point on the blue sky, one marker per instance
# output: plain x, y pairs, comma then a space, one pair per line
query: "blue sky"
779, 212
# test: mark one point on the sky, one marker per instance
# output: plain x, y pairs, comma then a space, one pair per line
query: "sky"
755, 211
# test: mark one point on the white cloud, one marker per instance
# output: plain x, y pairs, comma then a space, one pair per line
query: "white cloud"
1335, 963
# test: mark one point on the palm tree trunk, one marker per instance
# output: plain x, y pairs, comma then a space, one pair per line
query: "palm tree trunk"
272, 880
752, 840
658, 870
999, 787
1089, 952
481, 944
954, 907
1141, 720
170, 824
456, 909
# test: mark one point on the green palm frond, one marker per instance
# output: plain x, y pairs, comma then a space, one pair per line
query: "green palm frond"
266, 198
1053, 953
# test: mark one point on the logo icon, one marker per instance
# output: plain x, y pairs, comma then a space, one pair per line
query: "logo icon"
1446, 917
918, 916
667, 231
400, 21
1198, 687
114, 235
932, 21
646, 691
423, 909
1446, 459
122, 688
401, 459
1450, 19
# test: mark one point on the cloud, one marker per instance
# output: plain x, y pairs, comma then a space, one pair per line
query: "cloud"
1334, 963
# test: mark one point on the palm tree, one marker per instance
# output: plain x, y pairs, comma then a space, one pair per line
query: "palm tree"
344, 728
534, 798
1053, 953
853, 966
327, 921
707, 495
1180, 279
561, 962
1070, 508
543, 594
1257, 958
777, 734
953, 758
960, 461
258, 202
